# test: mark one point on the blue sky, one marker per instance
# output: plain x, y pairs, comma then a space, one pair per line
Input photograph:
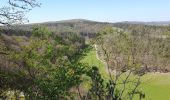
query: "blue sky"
101, 10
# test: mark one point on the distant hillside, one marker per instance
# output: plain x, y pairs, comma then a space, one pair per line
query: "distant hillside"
156, 23
79, 26
83, 27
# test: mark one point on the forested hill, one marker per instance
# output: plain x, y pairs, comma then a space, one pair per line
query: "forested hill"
154, 23
79, 26
84, 27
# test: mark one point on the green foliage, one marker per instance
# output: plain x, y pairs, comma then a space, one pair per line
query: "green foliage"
40, 31
48, 66
98, 90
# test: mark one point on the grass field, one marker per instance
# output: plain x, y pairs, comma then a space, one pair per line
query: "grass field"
93, 61
156, 86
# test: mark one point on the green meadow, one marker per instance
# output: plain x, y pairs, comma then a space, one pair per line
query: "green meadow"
156, 86
91, 59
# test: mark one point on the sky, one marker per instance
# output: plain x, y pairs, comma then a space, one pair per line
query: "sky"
101, 10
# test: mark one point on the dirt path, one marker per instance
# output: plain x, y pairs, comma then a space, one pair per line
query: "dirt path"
97, 56
105, 64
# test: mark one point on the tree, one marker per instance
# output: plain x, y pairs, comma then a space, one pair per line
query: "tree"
121, 53
97, 90
15, 10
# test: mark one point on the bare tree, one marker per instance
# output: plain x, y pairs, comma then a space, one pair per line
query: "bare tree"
13, 11
120, 53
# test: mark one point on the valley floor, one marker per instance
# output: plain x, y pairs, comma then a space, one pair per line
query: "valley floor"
156, 86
